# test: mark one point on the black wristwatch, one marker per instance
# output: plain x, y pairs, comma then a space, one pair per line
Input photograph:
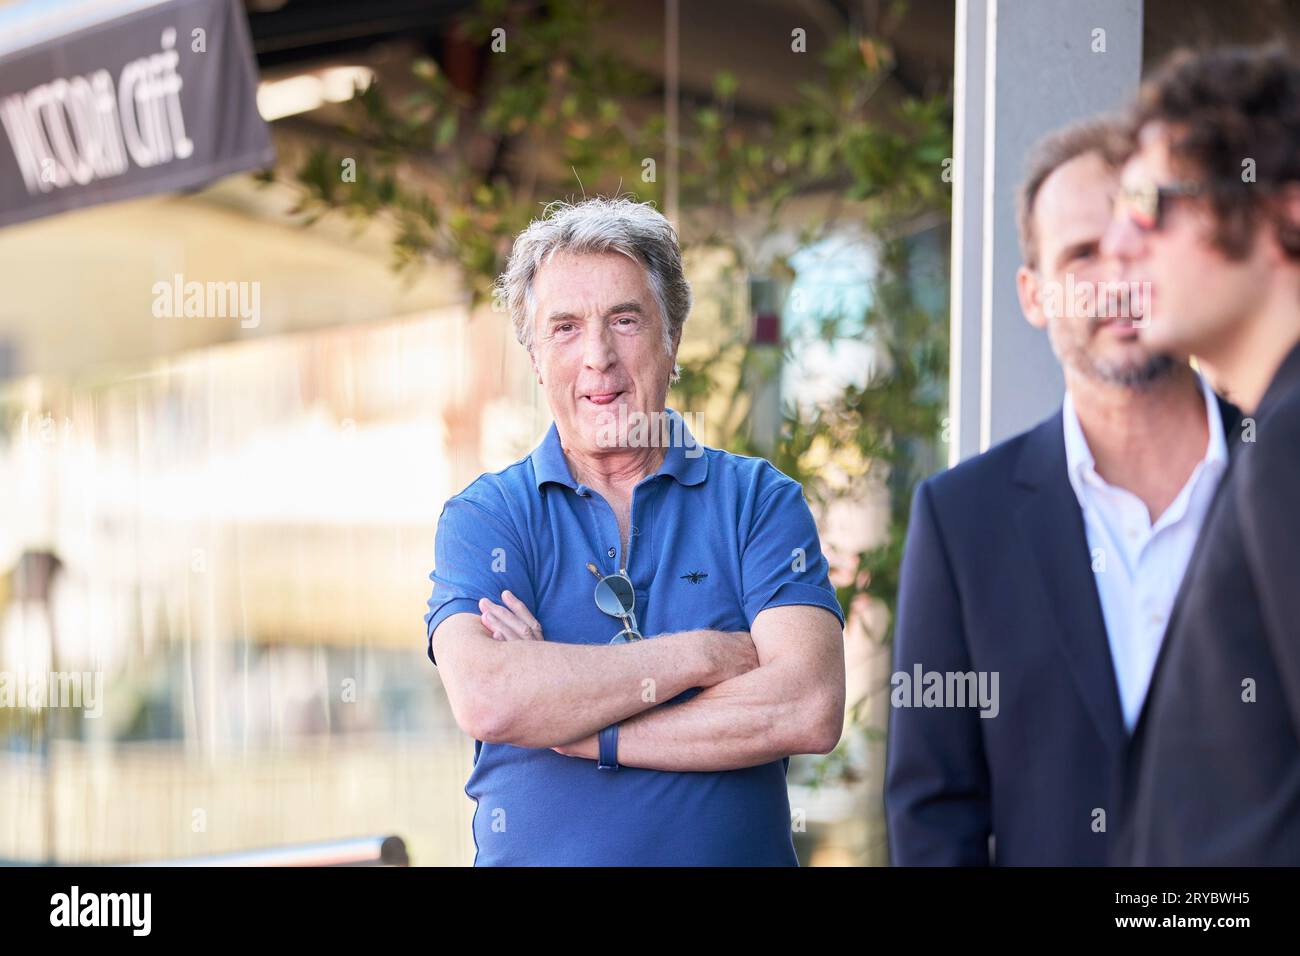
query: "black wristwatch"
608, 748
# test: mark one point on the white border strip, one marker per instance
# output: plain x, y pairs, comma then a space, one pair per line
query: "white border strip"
989, 224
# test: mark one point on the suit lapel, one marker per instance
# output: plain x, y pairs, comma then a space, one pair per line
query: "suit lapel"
1231, 415
1231, 419
1052, 525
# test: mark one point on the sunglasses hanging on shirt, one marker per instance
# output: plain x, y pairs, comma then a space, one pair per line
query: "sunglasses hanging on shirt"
616, 597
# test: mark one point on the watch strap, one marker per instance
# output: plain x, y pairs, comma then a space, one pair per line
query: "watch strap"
608, 748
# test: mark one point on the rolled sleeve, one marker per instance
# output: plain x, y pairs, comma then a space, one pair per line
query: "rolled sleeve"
782, 562
477, 554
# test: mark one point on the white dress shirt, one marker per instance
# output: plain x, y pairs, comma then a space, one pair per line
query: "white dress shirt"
1138, 565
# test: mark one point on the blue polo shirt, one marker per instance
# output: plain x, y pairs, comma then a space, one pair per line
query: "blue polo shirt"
716, 538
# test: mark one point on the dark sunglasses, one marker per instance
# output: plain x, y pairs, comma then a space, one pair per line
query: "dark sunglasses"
615, 596
1146, 205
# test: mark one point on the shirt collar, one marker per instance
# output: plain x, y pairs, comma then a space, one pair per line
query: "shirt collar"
1078, 456
684, 459
1217, 450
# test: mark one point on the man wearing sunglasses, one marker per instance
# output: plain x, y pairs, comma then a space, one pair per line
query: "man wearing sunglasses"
1050, 561
1209, 216
637, 631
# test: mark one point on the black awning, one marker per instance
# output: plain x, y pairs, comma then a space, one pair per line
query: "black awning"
160, 98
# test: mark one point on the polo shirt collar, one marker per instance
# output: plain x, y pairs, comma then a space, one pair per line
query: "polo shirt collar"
684, 459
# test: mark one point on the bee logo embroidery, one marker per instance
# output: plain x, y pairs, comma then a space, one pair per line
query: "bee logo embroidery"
695, 577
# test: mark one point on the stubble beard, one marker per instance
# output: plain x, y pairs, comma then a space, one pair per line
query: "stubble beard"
1151, 371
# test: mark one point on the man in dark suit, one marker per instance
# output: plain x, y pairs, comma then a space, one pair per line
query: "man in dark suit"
1037, 576
1210, 217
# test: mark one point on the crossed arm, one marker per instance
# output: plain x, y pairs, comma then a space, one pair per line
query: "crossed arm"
775, 691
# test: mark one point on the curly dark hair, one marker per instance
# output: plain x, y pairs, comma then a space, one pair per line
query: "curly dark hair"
1224, 107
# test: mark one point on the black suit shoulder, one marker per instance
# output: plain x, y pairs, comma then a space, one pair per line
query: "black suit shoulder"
977, 473
1276, 438
974, 492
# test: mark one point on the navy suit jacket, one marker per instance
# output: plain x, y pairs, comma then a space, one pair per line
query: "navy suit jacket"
1213, 775
997, 578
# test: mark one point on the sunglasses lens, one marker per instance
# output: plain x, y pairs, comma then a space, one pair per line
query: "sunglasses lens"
1142, 206
626, 636
614, 595
1142, 219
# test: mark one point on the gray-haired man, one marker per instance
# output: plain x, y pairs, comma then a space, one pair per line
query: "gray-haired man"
594, 746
